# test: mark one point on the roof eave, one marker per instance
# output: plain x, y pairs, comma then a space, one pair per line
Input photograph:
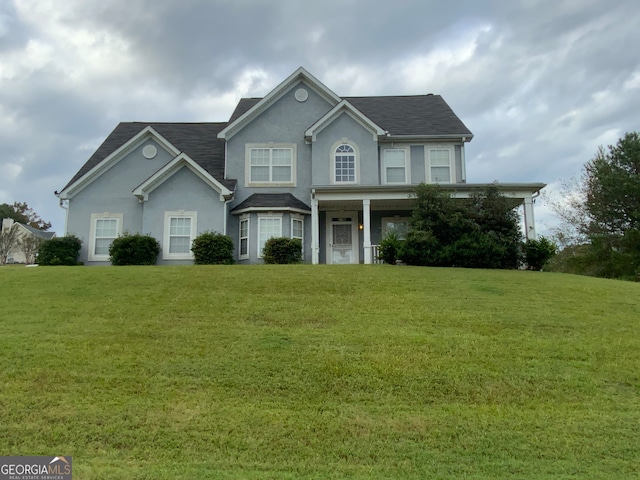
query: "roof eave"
463, 137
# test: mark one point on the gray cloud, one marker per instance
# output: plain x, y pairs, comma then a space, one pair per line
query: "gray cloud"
540, 83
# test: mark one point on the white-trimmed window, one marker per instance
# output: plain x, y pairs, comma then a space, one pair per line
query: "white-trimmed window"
396, 168
105, 227
269, 226
243, 250
270, 164
179, 232
345, 164
297, 228
398, 225
440, 170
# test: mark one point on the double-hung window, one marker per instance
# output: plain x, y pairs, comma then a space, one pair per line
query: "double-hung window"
270, 164
297, 228
243, 252
269, 226
105, 227
395, 165
179, 233
440, 165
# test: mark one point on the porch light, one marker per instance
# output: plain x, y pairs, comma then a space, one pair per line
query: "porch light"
360, 227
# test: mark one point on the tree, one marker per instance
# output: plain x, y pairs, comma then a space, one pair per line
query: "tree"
482, 232
8, 238
22, 213
604, 210
29, 245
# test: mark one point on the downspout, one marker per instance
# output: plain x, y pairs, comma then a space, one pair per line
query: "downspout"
66, 212
463, 161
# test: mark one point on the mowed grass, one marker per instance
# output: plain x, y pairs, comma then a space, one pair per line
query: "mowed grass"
357, 372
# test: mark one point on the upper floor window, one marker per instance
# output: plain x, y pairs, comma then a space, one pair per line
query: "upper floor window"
270, 164
440, 165
396, 169
345, 164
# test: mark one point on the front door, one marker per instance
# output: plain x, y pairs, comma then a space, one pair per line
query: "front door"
342, 238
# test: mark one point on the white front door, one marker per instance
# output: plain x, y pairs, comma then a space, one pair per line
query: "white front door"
342, 237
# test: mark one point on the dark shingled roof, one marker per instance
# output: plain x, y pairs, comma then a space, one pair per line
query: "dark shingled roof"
198, 140
421, 115
39, 233
411, 115
272, 200
244, 105
401, 115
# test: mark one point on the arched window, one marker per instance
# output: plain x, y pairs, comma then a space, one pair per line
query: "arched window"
345, 164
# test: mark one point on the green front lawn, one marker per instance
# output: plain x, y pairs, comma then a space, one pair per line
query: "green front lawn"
320, 372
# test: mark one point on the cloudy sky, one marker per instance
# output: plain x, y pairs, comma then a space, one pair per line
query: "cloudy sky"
540, 83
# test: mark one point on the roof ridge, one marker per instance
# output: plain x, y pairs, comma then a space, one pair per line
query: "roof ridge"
394, 96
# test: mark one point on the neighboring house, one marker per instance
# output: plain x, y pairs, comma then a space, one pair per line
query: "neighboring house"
302, 162
16, 252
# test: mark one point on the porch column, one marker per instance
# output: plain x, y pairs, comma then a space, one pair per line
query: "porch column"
366, 223
529, 222
315, 232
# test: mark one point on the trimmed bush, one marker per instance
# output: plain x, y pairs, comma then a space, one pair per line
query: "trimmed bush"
212, 248
390, 248
60, 251
134, 249
282, 250
538, 252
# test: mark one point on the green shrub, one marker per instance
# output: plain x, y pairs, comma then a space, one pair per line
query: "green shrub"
282, 250
538, 252
60, 251
212, 248
481, 232
134, 249
390, 248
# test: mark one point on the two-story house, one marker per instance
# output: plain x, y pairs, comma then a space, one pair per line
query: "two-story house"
301, 162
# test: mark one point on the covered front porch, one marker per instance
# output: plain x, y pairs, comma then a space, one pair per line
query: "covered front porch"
348, 224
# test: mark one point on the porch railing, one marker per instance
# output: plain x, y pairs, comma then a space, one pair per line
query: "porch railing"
375, 251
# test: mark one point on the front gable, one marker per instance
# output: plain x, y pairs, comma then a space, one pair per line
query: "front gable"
143, 190
344, 107
94, 170
300, 76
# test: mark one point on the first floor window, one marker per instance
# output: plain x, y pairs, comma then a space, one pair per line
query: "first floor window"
244, 238
440, 165
180, 228
297, 229
397, 225
268, 227
104, 230
395, 165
